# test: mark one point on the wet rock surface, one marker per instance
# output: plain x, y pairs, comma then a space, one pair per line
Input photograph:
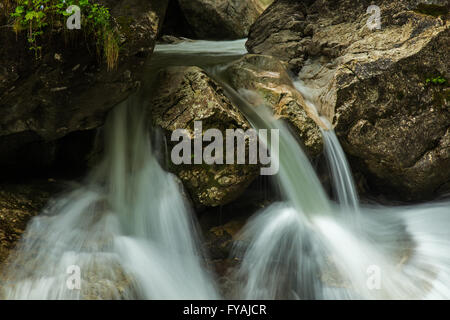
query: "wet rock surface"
184, 95
386, 90
270, 79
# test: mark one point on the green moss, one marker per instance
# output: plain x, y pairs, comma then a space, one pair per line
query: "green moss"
39, 18
432, 10
436, 80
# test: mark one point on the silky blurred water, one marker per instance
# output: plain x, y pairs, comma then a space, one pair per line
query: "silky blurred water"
133, 236
128, 229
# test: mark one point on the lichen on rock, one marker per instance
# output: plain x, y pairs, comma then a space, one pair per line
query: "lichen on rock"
184, 95
374, 85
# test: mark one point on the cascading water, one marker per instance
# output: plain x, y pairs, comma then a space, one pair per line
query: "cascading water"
128, 230
388, 253
131, 234
343, 184
284, 257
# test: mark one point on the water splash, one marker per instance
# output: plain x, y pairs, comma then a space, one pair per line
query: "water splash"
128, 229
303, 250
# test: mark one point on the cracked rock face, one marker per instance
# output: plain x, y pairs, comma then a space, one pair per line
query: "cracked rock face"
379, 87
221, 19
184, 95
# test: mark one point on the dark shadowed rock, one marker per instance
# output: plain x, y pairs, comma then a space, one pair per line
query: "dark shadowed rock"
69, 89
18, 204
221, 19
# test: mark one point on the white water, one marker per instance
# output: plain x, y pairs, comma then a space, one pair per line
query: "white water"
132, 235
128, 229
389, 253
303, 250
343, 185
340, 171
199, 47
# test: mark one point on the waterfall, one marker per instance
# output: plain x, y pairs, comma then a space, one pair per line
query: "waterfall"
303, 248
129, 234
127, 230
343, 184
293, 253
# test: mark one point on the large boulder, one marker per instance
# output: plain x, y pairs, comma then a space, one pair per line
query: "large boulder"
184, 95
69, 89
221, 19
279, 32
269, 77
386, 90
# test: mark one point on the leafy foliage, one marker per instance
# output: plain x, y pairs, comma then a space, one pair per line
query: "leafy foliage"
436, 80
39, 16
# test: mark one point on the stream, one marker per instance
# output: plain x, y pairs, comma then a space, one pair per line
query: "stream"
134, 236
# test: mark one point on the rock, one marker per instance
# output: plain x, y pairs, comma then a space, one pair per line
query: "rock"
166, 39
221, 19
175, 23
386, 90
222, 227
278, 31
69, 89
18, 204
184, 95
269, 77
286, 29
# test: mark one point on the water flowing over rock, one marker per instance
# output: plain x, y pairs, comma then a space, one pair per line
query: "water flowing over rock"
126, 229
269, 77
185, 95
386, 90
221, 19
18, 204
68, 89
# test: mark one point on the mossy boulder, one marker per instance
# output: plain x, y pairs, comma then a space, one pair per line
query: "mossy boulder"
187, 94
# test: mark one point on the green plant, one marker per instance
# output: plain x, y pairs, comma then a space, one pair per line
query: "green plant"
39, 16
436, 80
